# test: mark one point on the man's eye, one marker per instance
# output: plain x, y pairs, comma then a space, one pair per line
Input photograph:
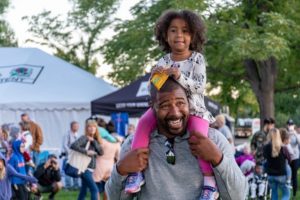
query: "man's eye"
181, 103
164, 106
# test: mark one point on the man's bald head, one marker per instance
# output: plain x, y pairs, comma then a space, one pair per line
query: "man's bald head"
168, 86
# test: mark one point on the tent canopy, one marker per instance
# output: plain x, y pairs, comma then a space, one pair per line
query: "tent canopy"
134, 99
52, 91
33, 79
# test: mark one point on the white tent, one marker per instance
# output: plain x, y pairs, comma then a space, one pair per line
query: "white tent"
52, 91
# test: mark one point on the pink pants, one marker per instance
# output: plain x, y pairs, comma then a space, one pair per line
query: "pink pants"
147, 124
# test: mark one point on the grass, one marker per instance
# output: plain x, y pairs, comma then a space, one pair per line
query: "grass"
72, 195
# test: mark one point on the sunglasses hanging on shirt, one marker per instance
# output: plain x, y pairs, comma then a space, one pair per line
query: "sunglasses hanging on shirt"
170, 153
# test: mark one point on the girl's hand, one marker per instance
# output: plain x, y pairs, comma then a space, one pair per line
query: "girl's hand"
174, 72
157, 69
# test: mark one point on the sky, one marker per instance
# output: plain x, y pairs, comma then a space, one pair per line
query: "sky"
20, 8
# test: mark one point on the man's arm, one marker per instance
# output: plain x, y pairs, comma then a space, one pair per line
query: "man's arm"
231, 182
129, 162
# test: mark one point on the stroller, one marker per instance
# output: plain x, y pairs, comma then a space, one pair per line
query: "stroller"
258, 184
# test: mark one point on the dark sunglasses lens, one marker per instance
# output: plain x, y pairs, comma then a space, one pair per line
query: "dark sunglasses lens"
171, 157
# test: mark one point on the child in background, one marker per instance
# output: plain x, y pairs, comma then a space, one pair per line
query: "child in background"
17, 162
288, 152
26, 137
181, 35
7, 172
246, 160
257, 182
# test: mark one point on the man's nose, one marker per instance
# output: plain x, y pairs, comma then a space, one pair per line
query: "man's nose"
174, 110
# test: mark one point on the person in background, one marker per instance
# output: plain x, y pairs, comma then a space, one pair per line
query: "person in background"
91, 136
288, 152
26, 138
16, 160
49, 178
37, 137
104, 132
3, 142
259, 139
104, 164
257, 182
110, 126
294, 142
275, 165
246, 160
71, 136
130, 130
7, 172
223, 128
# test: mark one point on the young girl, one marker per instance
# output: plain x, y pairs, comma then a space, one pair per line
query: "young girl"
7, 172
18, 163
181, 35
91, 135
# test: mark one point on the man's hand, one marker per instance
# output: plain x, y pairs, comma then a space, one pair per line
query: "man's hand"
47, 164
134, 161
202, 147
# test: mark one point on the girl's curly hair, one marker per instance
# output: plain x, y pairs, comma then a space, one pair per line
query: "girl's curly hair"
195, 23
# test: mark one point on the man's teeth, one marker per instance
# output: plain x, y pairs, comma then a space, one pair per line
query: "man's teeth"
175, 122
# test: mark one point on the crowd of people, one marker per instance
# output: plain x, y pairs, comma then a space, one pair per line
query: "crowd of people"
271, 158
26, 172
178, 148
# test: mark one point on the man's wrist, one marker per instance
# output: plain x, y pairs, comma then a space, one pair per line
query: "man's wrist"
119, 170
218, 159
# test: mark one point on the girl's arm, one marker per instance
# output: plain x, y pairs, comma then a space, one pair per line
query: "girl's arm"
12, 172
79, 145
197, 82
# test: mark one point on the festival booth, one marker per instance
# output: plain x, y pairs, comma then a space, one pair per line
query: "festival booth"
52, 91
133, 99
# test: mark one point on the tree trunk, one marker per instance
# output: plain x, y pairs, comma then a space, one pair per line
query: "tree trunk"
262, 76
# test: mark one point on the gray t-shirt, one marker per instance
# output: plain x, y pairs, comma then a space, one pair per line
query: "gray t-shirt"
184, 179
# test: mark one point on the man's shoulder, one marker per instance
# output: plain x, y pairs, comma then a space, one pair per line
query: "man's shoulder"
216, 135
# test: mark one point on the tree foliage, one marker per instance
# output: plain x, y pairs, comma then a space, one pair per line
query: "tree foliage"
7, 37
251, 48
76, 38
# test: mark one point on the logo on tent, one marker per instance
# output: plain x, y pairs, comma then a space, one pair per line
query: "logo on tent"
20, 73
143, 89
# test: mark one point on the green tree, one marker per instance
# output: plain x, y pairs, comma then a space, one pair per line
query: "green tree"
7, 38
251, 48
76, 38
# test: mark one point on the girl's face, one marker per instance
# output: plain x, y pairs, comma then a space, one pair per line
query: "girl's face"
22, 148
179, 36
91, 130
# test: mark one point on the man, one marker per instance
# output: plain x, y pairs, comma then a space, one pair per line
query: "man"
295, 144
259, 139
48, 175
177, 175
223, 128
37, 137
69, 138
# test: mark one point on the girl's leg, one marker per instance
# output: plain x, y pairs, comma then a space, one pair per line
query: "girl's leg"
200, 125
146, 125
141, 139
209, 189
